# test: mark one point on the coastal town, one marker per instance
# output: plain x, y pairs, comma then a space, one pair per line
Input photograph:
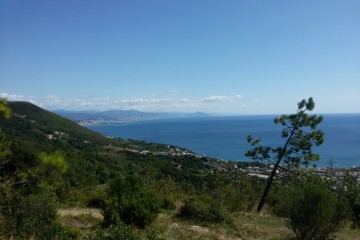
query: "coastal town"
330, 173
102, 121
253, 169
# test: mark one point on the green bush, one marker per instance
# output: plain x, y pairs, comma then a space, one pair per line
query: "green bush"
201, 210
132, 201
312, 210
352, 194
32, 216
140, 209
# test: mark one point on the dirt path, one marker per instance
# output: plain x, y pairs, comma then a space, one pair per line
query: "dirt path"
73, 212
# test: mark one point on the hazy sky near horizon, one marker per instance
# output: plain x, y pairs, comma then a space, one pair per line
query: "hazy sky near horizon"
230, 56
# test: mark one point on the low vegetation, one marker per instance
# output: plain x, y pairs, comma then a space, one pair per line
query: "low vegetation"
311, 209
62, 181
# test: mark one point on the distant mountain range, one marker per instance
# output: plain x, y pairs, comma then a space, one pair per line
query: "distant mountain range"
104, 117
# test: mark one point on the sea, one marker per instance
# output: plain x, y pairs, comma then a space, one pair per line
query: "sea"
225, 137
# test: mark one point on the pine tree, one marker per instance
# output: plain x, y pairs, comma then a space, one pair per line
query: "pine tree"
300, 132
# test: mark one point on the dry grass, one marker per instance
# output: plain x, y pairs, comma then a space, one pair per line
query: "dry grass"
244, 226
348, 233
80, 220
261, 226
171, 228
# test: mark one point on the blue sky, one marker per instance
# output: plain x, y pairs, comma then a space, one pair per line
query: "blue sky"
233, 57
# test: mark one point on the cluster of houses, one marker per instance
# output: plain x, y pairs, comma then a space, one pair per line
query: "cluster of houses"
171, 151
102, 121
328, 173
55, 135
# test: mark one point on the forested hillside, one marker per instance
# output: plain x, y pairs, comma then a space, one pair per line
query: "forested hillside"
91, 156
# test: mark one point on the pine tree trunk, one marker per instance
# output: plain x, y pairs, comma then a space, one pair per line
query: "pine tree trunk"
273, 172
267, 188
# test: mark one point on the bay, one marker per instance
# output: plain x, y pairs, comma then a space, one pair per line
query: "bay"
225, 137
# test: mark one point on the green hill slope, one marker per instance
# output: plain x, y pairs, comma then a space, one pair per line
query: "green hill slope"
28, 119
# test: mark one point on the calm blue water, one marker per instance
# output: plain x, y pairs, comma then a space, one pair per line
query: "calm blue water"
225, 137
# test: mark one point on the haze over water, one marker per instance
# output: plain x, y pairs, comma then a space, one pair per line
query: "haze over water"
225, 137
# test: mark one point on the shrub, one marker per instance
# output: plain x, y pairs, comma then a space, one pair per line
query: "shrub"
311, 209
200, 210
352, 193
140, 209
32, 216
134, 203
